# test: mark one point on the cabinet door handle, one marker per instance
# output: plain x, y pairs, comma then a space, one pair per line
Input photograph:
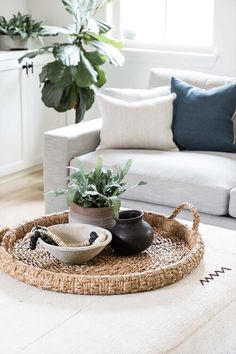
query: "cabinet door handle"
27, 67
31, 66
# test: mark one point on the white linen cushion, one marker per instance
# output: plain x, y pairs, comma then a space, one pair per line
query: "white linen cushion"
140, 125
162, 76
133, 95
204, 179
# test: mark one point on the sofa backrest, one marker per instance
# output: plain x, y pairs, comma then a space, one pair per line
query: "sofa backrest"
162, 77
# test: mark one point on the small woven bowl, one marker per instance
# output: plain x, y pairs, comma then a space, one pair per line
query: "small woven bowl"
72, 233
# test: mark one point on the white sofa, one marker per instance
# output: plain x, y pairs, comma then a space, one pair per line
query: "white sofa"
206, 179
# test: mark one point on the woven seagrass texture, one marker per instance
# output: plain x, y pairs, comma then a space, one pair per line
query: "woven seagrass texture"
175, 253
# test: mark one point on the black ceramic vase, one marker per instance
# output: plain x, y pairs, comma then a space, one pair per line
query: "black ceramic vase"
131, 234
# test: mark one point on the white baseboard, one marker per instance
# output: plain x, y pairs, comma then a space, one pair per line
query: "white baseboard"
23, 173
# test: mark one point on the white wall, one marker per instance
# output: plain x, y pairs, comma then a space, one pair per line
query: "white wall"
10, 7
52, 12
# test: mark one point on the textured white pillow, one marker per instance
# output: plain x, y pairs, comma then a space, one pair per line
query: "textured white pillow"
137, 125
134, 95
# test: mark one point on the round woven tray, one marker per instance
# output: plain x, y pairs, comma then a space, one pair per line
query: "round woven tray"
175, 253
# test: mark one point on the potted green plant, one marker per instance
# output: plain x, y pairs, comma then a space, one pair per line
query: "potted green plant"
72, 78
18, 32
93, 197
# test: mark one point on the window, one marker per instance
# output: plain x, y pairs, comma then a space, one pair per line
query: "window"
165, 23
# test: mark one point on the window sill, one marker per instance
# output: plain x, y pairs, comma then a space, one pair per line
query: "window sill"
171, 57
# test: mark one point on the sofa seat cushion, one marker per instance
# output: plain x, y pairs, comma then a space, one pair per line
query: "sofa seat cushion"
204, 179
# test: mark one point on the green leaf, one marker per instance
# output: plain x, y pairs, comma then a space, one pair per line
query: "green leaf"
116, 203
36, 52
113, 54
141, 183
68, 54
99, 163
127, 166
57, 73
80, 164
55, 30
87, 204
86, 100
114, 43
86, 75
103, 27
51, 94
101, 79
92, 26
79, 178
96, 58
69, 99
90, 96
81, 106
71, 6
70, 196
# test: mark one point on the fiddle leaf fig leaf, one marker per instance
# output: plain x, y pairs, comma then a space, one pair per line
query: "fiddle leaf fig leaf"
72, 6
57, 73
86, 99
86, 75
101, 79
113, 54
89, 96
35, 53
68, 54
55, 30
103, 27
96, 58
51, 94
68, 99
116, 44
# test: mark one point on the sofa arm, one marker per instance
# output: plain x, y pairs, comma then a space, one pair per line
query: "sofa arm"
60, 146
232, 203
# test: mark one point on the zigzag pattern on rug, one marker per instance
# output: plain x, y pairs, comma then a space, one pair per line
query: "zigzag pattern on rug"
215, 274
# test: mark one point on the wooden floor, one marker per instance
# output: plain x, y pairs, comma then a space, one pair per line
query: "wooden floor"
21, 199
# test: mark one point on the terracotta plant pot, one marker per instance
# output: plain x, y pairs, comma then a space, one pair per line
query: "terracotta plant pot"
131, 234
103, 217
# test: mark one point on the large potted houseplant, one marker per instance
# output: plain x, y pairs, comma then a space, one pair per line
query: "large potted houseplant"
93, 197
17, 33
72, 78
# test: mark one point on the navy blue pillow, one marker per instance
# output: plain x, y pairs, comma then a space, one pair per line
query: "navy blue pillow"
203, 119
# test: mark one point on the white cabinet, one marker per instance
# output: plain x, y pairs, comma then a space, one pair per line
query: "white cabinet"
23, 116
11, 152
37, 117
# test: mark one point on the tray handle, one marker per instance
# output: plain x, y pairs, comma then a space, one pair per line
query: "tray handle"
3, 233
195, 214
